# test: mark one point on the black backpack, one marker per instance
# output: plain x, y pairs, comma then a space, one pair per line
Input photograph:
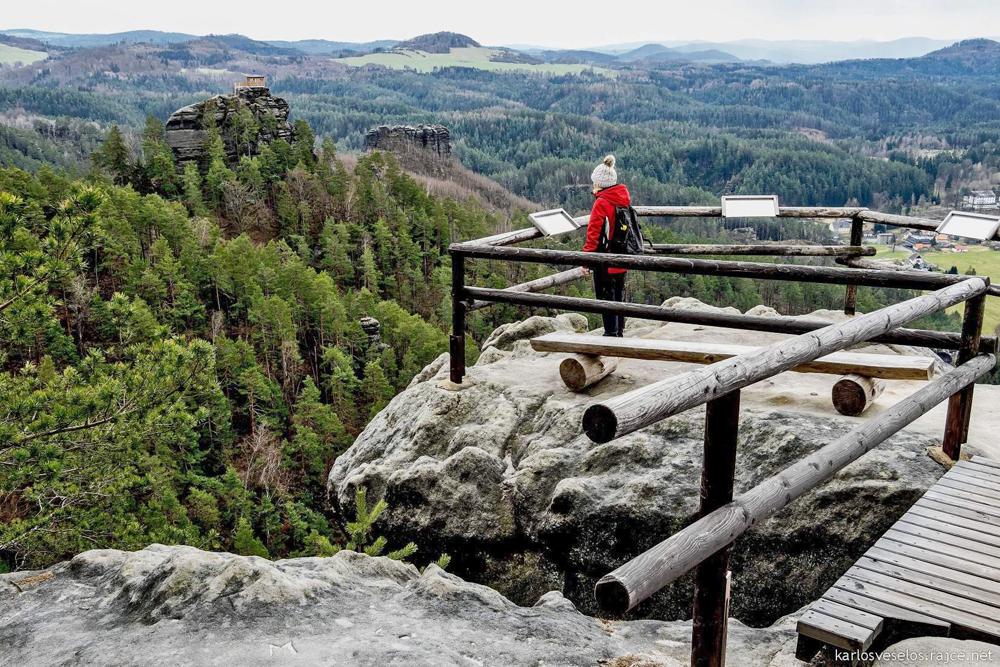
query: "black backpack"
627, 237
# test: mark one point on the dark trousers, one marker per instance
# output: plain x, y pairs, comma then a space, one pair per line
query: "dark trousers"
610, 287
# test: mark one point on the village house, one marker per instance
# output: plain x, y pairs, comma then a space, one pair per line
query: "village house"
980, 200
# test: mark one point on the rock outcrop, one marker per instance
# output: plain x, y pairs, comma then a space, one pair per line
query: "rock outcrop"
183, 606
424, 148
187, 128
500, 475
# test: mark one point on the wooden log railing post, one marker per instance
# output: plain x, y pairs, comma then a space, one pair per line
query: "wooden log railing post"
956, 429
711, 580
456, 344
851, 293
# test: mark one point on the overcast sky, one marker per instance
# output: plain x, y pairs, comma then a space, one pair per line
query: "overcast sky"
551, 23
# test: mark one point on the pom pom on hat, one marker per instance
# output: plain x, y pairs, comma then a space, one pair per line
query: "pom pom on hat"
604, 174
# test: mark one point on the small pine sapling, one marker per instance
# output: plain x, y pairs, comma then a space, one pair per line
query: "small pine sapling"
360, 530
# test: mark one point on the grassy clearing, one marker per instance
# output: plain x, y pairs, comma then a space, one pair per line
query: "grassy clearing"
985, 261
10, 55
473, 57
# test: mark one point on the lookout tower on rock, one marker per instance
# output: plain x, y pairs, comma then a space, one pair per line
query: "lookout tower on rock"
250, 81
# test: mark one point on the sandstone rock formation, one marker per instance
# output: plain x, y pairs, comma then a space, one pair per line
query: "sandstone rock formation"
424, 148
182, 606
500, 475
186, 129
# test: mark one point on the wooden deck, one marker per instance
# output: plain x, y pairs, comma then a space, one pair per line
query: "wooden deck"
937, 570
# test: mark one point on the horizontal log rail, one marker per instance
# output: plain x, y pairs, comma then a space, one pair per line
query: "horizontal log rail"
537, 285
762, 249
814, 212
837, 275
647, 573
641, 407
778, 324
716, 211
860, 263
925, 224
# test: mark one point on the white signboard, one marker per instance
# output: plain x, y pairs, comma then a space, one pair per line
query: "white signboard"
750, 206
970, 225
556, 221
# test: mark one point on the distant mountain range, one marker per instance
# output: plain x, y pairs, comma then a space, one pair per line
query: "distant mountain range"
805, 52
72, 40
90, 40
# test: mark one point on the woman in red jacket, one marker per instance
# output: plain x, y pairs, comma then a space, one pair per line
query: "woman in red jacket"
609, 283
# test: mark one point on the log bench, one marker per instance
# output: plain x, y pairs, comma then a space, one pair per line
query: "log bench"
595, 358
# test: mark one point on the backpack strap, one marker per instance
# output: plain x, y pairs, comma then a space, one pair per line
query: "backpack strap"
602, 240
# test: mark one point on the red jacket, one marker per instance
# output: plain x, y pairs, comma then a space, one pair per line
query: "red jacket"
605, 203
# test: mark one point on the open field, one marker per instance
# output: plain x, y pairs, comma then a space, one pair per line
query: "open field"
983, 260
10, 55
473, 57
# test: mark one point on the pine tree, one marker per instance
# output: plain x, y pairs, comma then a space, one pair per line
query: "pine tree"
192, 190
114, 156
158, 165
371, 277
245, 543
360, 530
218, 173
376, 388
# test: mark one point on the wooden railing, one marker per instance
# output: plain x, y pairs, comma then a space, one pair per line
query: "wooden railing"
706, 544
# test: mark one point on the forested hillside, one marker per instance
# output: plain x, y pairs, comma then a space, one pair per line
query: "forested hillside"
183, 353
175, 373
889, 134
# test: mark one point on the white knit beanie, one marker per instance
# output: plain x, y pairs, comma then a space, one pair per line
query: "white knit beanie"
604, 174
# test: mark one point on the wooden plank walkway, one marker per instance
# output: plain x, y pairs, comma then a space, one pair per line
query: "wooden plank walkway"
937, 569
886, 366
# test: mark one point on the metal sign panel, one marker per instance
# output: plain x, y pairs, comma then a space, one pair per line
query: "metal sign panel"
555, 221
970, 225
750, 206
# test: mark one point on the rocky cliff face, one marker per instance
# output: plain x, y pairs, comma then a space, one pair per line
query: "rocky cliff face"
186, 129
500, 475
183, 606
424, 148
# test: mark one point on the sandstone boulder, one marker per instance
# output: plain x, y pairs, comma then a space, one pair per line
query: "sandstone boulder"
500, 475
